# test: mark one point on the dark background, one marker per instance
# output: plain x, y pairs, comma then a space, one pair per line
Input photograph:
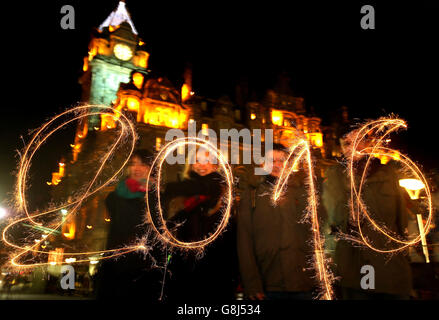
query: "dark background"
330, 59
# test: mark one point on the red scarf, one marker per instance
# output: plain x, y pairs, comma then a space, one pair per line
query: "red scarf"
192, 202
135, 186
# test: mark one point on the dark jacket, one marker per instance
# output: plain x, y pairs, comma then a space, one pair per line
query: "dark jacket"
385, 203
127, 220
213, 276
131, 275
335, 199
273, 243
199, 198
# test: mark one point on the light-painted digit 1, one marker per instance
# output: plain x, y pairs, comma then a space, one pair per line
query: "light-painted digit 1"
300, 153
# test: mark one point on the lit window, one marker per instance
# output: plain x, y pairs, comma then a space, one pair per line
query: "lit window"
316, 139
138, 80
185, 92
158, 143
276, 117
85, 65
133, 104
204, 129
142, 59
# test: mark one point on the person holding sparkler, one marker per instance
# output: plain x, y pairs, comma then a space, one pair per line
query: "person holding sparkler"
128, 276
435, 199
385, 203
273, 244
194, 210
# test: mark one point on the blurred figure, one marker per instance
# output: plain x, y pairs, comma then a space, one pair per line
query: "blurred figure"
345, 255
195, 201
385, 203
435, 199
194, 213
273, 245
8, 282
129, 276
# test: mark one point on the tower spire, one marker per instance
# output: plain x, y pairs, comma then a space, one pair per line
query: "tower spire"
119, 15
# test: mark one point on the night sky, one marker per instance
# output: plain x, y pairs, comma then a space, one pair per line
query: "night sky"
331, 61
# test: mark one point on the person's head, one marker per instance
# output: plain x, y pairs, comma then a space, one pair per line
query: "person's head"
201, 163
204, 163
277, 157
434, 180
346, 143
139, 165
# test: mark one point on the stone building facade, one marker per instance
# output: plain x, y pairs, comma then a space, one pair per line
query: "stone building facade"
116, 73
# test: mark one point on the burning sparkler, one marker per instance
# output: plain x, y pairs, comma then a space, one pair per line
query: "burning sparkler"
159, 224
300, 152
127, 133
376, 133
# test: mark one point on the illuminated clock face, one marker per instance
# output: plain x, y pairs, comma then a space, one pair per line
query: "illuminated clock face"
123, 52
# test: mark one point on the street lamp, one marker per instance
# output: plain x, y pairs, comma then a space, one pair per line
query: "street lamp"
413, 188
3, 212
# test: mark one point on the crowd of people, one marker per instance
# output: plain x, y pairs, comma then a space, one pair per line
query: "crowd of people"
265, 252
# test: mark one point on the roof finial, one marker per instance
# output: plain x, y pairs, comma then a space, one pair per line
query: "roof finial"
118, 16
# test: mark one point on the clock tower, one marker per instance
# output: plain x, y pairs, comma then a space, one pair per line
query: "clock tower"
115, 51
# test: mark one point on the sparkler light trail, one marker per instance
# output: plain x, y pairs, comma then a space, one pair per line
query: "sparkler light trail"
127, 135
300, 152
368, 141
376, 131
156, 217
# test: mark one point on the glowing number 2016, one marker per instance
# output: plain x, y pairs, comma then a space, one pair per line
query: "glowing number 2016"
300, 153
